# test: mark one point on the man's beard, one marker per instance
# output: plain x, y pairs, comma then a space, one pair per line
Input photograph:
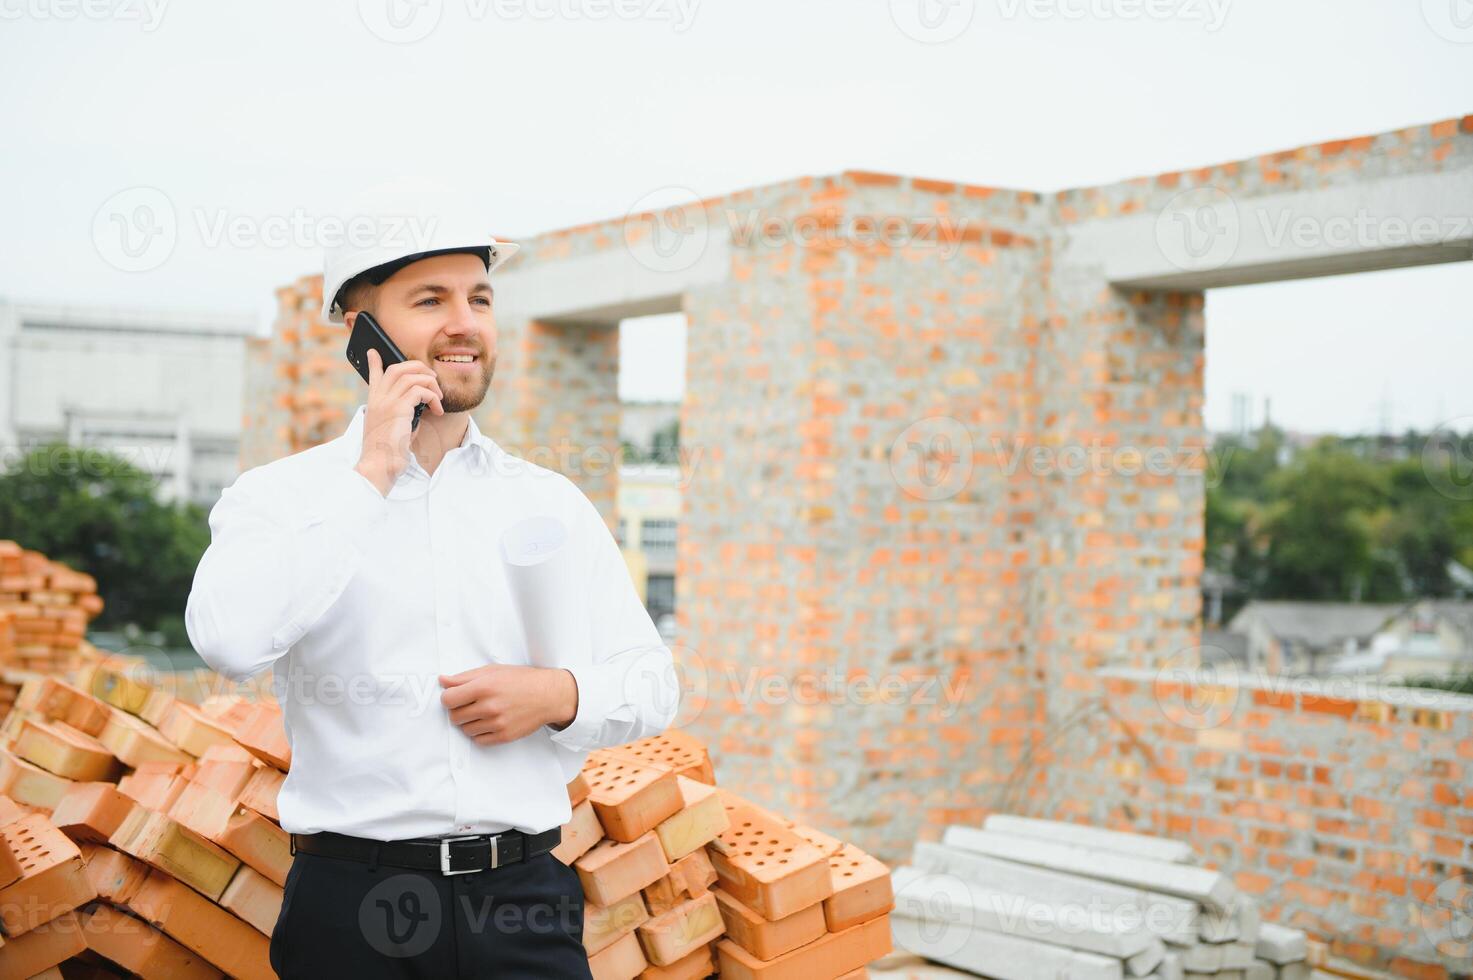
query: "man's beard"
468, 394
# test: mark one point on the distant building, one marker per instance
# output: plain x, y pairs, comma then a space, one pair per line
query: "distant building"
161, 389
1428, 637
649, 514
1307, 637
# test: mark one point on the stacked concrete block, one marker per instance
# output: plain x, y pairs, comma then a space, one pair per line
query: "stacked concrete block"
1020, 899
45, 608
686, 880
138, 831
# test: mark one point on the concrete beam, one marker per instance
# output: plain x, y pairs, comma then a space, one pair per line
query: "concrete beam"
1206, 238
1120, 842
1201, 885
611, 285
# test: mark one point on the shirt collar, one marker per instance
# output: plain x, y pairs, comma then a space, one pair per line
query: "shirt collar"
352, 438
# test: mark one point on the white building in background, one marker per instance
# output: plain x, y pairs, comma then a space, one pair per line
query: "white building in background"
161, 389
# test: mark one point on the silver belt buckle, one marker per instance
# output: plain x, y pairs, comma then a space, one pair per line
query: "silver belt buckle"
445, 854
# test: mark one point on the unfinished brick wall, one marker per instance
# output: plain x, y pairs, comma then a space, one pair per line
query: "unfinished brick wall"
933, 449
1346, 816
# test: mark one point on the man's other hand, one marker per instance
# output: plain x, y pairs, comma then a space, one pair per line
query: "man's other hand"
502, 703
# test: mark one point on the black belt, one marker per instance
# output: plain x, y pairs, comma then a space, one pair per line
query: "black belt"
447, 855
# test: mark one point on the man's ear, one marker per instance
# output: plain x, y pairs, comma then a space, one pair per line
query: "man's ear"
348, 319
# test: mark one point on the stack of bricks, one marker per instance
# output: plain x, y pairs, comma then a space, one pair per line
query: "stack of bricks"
685, 880
1021, 899
45, 607
139, 833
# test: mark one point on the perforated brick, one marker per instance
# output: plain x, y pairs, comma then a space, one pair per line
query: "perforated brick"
137, 946
831, 955
862, 889
764, 939
630, 799
171, 847
612, 870
768, 866
673, 935
580, 833
53, 878
91, 811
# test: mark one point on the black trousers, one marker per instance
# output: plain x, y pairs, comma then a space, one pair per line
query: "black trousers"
342, 918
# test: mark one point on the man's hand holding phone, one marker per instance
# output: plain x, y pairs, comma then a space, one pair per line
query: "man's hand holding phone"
393, 393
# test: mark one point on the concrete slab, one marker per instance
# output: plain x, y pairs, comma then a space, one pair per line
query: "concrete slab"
1120, 842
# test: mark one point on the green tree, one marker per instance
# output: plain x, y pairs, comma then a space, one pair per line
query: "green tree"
96, 512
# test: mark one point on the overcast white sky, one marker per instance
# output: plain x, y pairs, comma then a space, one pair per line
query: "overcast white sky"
547, 113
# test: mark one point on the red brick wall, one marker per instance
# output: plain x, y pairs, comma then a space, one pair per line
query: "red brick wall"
1346, 814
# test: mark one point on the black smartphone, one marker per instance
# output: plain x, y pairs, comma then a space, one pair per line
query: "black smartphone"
368, 334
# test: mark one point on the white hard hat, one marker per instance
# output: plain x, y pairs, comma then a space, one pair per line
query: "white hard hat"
396, 246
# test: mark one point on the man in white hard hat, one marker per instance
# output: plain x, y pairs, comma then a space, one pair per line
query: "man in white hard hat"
429, 758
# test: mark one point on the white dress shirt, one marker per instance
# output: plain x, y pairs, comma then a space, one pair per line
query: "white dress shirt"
360, 601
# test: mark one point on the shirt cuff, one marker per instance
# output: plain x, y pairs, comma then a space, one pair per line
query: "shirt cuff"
582, 732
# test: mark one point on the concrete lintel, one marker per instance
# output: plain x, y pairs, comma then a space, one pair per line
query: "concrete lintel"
610, 285
1205, 238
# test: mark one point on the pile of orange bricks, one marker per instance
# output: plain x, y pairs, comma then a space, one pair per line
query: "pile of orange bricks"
138, 832
44, 610
683, 880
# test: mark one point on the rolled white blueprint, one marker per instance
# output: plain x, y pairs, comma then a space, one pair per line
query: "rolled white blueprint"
541, 571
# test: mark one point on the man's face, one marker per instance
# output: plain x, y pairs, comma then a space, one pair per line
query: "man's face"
438, 310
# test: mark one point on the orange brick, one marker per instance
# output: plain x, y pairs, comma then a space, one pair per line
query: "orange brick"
700, 820
630, 799
228, 777
140, 948
114, 875
696, 966
42, 948
191, 729
262, 789
258, 842
53, 878
204, 927
91, 811
690, 877
255, 898
862, 889
577, 790
768, 940
612, 870
264, 736
673, 935
155, 788
622, 959
135, 741
30, 784
173, 848
832, 955
202, 810
54, 699
768, 866
827, 845
605, 924
672, 751
579, 834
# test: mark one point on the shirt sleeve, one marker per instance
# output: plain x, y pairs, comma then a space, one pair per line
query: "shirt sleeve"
630, 690
275, 565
